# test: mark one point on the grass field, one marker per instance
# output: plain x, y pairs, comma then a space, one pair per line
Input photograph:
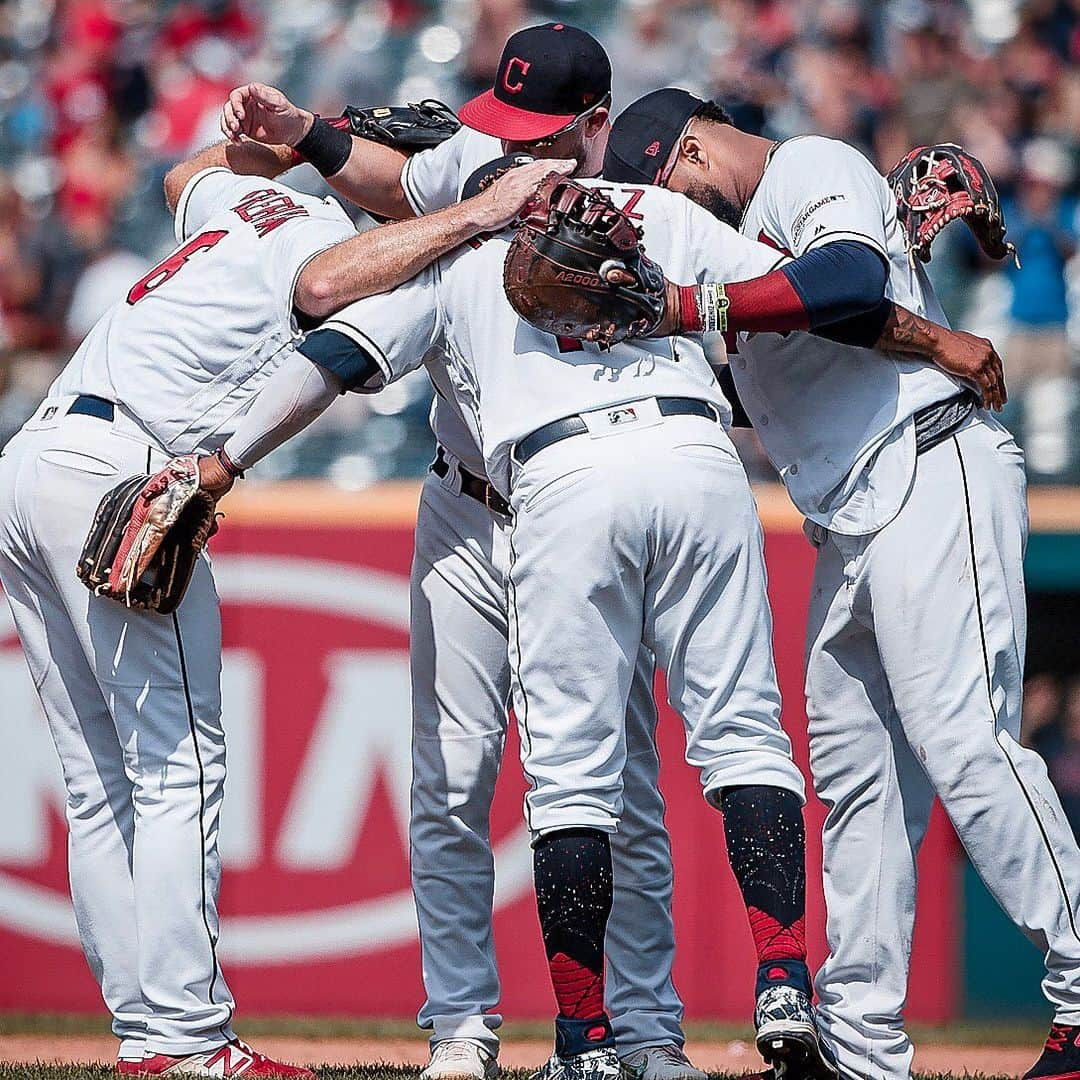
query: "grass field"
27, 1041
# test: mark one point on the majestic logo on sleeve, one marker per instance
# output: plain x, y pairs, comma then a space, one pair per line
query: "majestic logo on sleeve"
515, 64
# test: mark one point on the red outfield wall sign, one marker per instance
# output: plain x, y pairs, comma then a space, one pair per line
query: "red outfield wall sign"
317, 912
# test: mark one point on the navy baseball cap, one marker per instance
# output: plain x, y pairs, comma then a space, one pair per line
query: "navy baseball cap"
548, 76
645, 133
489, 173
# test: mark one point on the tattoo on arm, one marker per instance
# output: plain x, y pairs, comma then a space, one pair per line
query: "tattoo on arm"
907, 332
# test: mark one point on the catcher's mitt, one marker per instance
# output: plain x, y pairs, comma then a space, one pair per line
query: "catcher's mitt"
147, 534
555, 272
409, 128
934, 185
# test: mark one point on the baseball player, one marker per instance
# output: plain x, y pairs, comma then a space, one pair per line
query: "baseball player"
550, 100
915, 500
613, 544
132, 698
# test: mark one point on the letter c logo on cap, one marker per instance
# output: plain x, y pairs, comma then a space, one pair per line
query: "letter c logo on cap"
522, 66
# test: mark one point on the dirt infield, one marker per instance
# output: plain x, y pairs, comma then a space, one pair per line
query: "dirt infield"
726, 1056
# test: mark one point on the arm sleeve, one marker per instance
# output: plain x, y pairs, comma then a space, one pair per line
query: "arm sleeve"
295, 395
825, 190
204, 195
431, 178
375, 341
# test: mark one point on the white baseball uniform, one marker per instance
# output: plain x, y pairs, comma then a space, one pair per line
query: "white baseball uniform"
616, 538
915, 644
460, 694
132, 698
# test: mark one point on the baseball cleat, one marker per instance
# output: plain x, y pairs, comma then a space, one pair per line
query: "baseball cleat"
1060, 1059
460, 1059
666, 1061
233, 1059
787, 1036
600, 1064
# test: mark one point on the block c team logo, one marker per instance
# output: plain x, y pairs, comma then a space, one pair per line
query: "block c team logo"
515, 63
314, 826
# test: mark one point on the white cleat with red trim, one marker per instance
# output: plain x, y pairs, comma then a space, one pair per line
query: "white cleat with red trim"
233, 1059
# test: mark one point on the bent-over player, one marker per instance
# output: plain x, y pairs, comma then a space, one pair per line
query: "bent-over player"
132, 698
915, 500
458, 615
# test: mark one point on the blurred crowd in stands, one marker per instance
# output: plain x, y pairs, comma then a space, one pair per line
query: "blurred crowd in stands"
99, 97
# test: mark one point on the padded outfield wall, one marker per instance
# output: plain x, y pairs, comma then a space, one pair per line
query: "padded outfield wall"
317, 914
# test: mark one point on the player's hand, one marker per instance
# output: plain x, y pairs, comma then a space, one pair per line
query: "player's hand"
670, 322
497, 205
975, 360
214, 478
263, 113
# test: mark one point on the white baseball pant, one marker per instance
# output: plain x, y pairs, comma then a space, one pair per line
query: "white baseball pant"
914, 684
641, 534
133, 703
461, 685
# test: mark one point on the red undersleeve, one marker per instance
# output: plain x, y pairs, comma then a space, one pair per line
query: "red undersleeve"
578, 991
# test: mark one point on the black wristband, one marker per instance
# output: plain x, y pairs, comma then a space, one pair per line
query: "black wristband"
326, 147
228, 464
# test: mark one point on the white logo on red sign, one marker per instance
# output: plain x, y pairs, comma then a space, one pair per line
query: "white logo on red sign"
359, 747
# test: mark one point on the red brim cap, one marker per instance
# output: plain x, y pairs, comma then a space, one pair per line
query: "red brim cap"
488, 114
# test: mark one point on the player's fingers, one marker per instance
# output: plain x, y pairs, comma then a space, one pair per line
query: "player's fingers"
618, 275
236, 101
230, 125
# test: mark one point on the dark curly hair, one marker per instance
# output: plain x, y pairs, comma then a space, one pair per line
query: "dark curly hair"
713, 112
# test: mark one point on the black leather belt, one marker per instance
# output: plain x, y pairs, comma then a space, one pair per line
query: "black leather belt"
935, 423
91, 405
558, 430
474, 486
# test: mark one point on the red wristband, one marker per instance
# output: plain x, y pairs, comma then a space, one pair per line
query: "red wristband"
689, 309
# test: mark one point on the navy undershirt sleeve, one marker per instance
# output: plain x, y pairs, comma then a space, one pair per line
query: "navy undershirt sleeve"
837, 281
864, 330
349, 361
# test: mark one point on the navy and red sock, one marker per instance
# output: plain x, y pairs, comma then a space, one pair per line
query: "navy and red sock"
766, 842
572, 873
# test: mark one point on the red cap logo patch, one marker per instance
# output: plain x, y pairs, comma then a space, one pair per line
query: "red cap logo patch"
522, 66
653, 148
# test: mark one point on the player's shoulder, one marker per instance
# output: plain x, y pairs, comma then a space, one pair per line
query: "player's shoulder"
638, 200
268, 206
809, 156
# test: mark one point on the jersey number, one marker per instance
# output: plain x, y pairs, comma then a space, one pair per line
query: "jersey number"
171, 266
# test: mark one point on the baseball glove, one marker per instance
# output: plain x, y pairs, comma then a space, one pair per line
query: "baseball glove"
408, 128
934, 185
147, 534
556, 272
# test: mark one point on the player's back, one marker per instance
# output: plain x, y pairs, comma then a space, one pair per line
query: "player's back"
184, 350
516, 378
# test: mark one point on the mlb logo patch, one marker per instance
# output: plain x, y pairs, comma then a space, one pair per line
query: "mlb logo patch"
625, 415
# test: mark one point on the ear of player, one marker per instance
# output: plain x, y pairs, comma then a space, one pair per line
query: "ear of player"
148, 532
577, 268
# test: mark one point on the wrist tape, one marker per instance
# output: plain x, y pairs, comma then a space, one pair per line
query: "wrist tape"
703, 309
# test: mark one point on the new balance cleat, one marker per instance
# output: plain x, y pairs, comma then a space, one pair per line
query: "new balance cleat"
787, 1036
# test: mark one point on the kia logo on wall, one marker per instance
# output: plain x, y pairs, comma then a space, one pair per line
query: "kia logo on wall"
315, 685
